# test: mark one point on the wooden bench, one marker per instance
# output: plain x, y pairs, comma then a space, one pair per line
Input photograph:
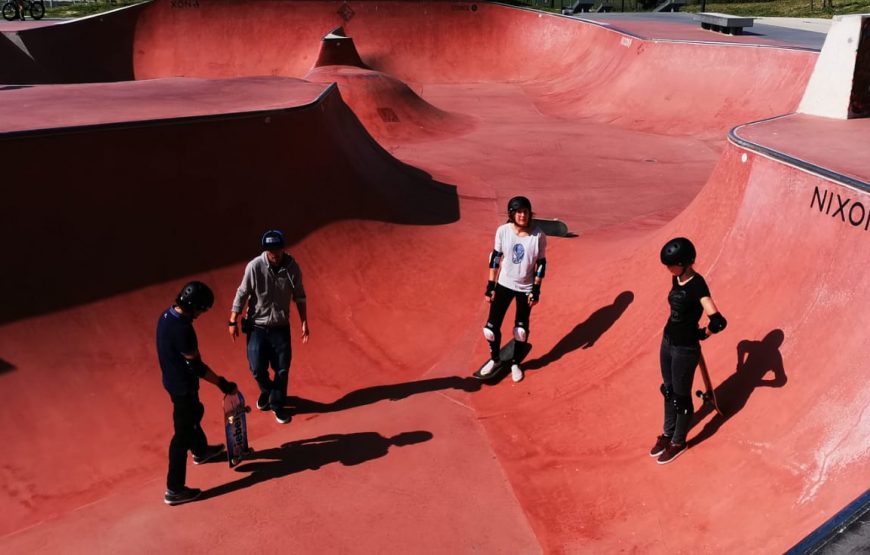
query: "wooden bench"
723, 23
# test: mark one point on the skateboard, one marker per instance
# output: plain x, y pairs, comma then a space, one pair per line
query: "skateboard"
504, 358
709, 394
236, 425
553, 228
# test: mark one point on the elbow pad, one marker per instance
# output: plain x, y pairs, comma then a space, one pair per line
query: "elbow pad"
717, 323
541, 268
197, 366
494, 259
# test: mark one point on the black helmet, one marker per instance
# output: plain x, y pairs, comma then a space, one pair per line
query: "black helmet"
678, 252
518, 203
272, 240
195, 296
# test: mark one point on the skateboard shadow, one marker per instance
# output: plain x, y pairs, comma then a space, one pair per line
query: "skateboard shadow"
586, 333
370, 395
754, 360
312, 454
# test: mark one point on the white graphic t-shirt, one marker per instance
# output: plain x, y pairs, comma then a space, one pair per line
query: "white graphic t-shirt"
519, 255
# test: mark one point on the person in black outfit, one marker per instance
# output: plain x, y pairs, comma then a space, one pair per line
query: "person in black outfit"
182, 367
680, 352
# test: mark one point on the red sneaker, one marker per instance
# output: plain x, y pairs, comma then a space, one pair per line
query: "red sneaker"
671, 452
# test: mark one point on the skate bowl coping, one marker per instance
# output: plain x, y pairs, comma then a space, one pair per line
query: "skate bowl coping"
730, 24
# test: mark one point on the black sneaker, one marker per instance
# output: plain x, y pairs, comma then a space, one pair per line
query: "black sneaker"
263, 401
182, 496
211, 452
671, 452
661, 443
282, 416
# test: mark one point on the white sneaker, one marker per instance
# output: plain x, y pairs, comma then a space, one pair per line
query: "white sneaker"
516, 373
488, 368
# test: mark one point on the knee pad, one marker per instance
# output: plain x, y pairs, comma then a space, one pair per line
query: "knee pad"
683, 404
521, 334
488, 334
667, 391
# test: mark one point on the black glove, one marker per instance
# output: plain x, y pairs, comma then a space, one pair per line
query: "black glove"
536, 292
702, 334
225, 386
490, 288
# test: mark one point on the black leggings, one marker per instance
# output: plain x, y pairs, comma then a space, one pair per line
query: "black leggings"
678, 363
497, 311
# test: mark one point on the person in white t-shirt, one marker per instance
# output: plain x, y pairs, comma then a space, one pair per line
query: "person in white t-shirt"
516, 268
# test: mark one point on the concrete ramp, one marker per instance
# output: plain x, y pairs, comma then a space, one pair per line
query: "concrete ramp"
122, 192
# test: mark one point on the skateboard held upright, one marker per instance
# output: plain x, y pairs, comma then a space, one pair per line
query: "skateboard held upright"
709, 394
236, 425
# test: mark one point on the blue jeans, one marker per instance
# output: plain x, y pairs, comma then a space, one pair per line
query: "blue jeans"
678, 364
270, 347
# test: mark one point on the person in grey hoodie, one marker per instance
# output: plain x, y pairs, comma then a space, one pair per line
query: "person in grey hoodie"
271, 281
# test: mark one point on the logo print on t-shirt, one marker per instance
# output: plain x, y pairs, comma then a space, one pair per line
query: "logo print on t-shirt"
518, 254
679, 301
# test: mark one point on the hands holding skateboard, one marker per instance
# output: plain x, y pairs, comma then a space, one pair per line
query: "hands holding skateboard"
226, 387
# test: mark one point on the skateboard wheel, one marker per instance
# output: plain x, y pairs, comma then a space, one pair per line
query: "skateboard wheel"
699, 393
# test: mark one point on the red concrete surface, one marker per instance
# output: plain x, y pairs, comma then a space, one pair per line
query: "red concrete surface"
394, 265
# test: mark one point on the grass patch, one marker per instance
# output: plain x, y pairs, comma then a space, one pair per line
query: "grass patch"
81, 9
747, 8
784, 8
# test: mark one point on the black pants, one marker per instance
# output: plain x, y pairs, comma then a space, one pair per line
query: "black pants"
678, 364
497, 311
187, 414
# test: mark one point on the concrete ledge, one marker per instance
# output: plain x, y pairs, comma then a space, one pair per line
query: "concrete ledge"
723, 23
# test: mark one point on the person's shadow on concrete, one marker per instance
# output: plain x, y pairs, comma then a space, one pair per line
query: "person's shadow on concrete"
6, 366
311, 454
369, 395
586, 333
754, 360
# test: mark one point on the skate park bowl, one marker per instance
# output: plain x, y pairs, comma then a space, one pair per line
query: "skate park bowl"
152, 145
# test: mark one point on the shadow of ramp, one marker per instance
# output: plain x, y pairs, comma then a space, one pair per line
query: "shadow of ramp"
6, 366
755, 359
312, 454
586, 333
178, 197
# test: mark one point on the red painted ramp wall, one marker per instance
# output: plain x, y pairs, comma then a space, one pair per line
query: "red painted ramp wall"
572, 68
556, 463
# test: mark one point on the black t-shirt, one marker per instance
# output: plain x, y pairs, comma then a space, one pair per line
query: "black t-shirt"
686, 310
175, 336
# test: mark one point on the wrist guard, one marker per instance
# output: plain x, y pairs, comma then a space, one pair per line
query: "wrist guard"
490, 288
225, 386
717, 323
536, 292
